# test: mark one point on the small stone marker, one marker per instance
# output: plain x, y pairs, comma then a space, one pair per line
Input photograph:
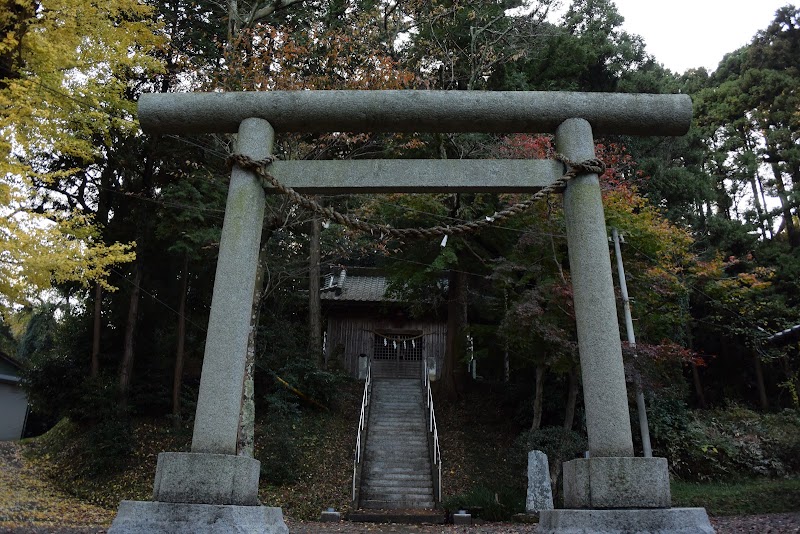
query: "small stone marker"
330, 516
462, 517
540, 494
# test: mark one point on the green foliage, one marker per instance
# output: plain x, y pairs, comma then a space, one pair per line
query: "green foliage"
93, 448
52, 376
743, 497
320, 385
559, 444
724, 444
490, 504
278, 452
288, 415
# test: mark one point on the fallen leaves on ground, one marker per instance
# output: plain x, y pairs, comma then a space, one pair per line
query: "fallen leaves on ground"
27, 499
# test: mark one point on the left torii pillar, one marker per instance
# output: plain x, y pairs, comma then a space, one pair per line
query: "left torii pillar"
211, 485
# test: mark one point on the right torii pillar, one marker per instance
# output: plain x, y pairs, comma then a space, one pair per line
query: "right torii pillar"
611, 490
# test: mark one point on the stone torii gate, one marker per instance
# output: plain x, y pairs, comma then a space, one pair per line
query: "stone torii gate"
211, 489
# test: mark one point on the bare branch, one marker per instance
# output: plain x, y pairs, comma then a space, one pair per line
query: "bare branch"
259, 14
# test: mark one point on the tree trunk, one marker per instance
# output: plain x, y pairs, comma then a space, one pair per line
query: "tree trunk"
506, 356
698, 386
101, 218
767, 214
177, 379
762, 219
792, 381
98, 316
760, 211
791, 230
126, 369
538, 398
456, 333
506, 365
572, 397
314, 300
762, 390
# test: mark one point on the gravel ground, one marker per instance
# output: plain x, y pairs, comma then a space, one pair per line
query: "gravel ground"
760, 524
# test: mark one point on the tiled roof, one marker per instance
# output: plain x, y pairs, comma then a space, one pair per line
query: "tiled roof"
360, 289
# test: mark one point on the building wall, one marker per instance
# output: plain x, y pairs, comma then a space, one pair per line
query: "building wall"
6, 368
13, 409
350, 336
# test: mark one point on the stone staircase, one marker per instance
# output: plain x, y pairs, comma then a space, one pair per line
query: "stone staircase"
397, 466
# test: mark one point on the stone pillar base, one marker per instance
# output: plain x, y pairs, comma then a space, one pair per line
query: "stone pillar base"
648, 521
204, 478
145, 517
616, 482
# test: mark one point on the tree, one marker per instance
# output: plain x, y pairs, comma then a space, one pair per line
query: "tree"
66, 70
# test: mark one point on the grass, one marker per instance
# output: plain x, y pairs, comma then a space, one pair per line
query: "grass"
744, 497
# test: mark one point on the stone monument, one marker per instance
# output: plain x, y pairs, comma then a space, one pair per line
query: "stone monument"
540, 493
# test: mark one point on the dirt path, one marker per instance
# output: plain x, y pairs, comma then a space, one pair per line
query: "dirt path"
29, 505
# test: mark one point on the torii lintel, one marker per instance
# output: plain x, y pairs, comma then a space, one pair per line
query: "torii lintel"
416, 111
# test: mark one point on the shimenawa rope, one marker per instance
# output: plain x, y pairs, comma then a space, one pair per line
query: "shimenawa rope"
269, 182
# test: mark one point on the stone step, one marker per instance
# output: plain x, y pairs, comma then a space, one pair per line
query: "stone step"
413, 477
409, 425
416, 449
392, 408
397, 435
398, 441
405, 469
386, 460
412, 487
398, 516
397, 473
396, 456
375, 471
398, 451
417, 461
386, 411
395, 486
399, 497
396, 494
375, 504
378, 468
415, 414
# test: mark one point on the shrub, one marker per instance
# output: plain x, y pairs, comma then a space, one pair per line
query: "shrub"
278, 449
558, 443
489, 504
725, 444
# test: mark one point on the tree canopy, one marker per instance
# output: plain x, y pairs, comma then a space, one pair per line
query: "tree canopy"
709, 219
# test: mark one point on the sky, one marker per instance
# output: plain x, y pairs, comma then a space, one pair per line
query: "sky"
685, 34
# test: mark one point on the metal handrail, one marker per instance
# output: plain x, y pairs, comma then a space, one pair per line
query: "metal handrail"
362, 424
433, 431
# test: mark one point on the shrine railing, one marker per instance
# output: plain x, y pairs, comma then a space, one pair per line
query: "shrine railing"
433, 434
361, 434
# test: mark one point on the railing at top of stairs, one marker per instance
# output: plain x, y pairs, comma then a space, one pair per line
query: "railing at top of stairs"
361, 434
433, 434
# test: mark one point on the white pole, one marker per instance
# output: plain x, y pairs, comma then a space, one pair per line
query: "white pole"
626, 306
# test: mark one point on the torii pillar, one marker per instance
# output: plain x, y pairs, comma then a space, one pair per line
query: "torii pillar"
210, 489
